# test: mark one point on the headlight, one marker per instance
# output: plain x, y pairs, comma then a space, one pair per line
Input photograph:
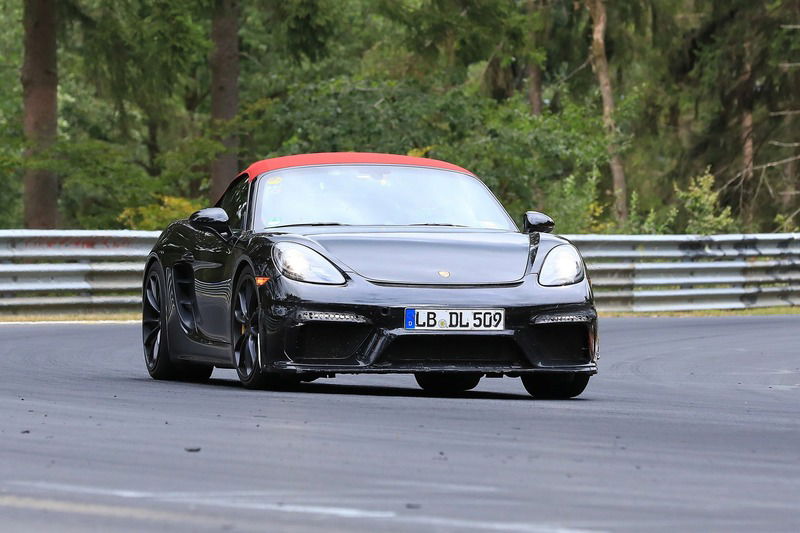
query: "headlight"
562, 266
301, 263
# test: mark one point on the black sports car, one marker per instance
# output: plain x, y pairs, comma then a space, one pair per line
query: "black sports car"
321, 264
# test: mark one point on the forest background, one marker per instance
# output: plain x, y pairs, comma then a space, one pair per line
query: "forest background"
650, 116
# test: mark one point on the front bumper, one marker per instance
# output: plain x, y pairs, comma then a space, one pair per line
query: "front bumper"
359, 329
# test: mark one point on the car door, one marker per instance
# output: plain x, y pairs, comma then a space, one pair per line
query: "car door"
213, 264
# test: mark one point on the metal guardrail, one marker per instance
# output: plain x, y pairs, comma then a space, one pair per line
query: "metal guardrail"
52, 271
692, 272
59, 270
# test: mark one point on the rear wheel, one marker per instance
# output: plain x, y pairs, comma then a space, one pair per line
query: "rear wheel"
442, 383
154, 333
156, 354
555, 386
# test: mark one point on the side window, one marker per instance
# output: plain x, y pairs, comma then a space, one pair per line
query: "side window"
234, 202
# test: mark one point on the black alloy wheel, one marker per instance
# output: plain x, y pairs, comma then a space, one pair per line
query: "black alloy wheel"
155, 339
245, 332
155, 356
555, 386
444, 383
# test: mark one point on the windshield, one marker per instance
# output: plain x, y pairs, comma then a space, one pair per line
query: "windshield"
376, 195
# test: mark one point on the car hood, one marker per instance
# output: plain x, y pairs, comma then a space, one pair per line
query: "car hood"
440, 257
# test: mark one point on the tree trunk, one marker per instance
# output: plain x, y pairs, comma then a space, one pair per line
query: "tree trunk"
224, 90
534, 70
746, 201
597, 10
791, 188
535, 88
746, 134
153, 149
39, 78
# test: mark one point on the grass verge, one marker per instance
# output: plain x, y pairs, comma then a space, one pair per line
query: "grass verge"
710, 312
81, 317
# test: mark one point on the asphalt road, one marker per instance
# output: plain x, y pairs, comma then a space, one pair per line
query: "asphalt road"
691, 425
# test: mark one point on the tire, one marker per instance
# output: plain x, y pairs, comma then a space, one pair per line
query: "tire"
444, 383
154, 325
155, 339
555, 386
245, 331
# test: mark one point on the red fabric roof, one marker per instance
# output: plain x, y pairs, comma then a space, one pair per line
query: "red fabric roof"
343, 158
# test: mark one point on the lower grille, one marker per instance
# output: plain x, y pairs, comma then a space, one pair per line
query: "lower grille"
561, 344
329, 341
448, 350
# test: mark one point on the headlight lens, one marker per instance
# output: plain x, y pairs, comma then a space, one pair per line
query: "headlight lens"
562, 266
301, 263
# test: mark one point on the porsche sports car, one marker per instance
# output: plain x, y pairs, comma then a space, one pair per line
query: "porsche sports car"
322, 264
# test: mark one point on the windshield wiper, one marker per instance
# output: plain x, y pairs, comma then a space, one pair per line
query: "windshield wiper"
341, 224
311, 224
438, 224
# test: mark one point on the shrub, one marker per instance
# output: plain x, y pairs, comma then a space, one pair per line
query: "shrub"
158, 216
574, 205
701, 207
653, 223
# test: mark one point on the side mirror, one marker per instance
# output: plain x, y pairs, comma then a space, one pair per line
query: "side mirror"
211, 219
534, 221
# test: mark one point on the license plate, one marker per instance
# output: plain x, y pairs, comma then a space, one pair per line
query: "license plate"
455, 319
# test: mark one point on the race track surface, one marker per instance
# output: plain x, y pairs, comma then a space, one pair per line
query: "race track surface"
693, 424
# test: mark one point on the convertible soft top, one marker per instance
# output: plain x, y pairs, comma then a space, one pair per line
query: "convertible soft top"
344, 158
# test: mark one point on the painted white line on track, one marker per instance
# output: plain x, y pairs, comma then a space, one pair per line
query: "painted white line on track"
448, 487
104, 510
234, 500
82, 489
217, 499
339, 512
520, 527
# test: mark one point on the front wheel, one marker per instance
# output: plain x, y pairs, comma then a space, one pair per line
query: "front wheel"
442, 383
555, 386
245, 332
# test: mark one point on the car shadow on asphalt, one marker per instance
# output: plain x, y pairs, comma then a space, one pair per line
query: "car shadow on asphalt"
357, 390
361, 390
375, 390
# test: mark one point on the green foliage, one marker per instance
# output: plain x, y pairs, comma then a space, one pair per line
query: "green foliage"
575, 205
10, 114
10, 60
441, 78
98, 179
519, 154
158, 215
142, 48
450, 35
306, 26
516, 153
345, 114
185, 167
787, 223
10, 189
701, 207
652, 223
